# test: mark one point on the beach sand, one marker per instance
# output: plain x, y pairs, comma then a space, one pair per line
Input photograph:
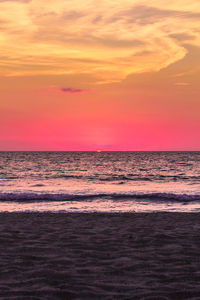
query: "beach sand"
99, 256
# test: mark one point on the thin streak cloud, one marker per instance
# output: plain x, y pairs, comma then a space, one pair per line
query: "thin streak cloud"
72, 90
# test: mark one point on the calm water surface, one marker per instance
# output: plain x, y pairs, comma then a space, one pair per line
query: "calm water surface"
105, 181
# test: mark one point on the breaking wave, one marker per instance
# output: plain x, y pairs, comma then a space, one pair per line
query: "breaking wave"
153, 197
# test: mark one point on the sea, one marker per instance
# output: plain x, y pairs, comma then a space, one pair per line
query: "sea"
100, 181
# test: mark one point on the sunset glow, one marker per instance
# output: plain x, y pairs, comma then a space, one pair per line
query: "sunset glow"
84, 75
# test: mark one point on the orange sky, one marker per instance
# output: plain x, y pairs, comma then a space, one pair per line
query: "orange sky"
110, 75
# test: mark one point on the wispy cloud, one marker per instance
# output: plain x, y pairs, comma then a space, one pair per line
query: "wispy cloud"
145, 15
182, 83
101, 40
18, 1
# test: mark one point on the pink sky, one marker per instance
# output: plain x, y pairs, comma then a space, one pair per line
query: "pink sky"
100, 76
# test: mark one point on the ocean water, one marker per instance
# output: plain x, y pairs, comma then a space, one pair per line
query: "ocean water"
100, 181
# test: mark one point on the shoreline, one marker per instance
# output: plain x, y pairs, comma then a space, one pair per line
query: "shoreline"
104, 213
114, 213
59, 255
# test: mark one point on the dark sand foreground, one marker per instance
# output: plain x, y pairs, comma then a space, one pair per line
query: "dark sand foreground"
99, 256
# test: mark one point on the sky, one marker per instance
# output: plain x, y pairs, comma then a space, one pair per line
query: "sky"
109, 75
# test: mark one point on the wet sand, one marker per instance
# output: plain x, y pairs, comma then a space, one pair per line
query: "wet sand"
99, 256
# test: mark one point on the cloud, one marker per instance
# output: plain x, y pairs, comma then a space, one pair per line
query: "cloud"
72, 90
147, 15
105, 40
183, 36
182, 83
18, 1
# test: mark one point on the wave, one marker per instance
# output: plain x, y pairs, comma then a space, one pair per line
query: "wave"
153, 197
110, 178
132, 177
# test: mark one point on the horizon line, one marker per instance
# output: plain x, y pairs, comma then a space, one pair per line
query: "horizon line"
99, 151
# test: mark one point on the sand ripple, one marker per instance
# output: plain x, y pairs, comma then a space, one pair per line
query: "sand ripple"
99, 256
